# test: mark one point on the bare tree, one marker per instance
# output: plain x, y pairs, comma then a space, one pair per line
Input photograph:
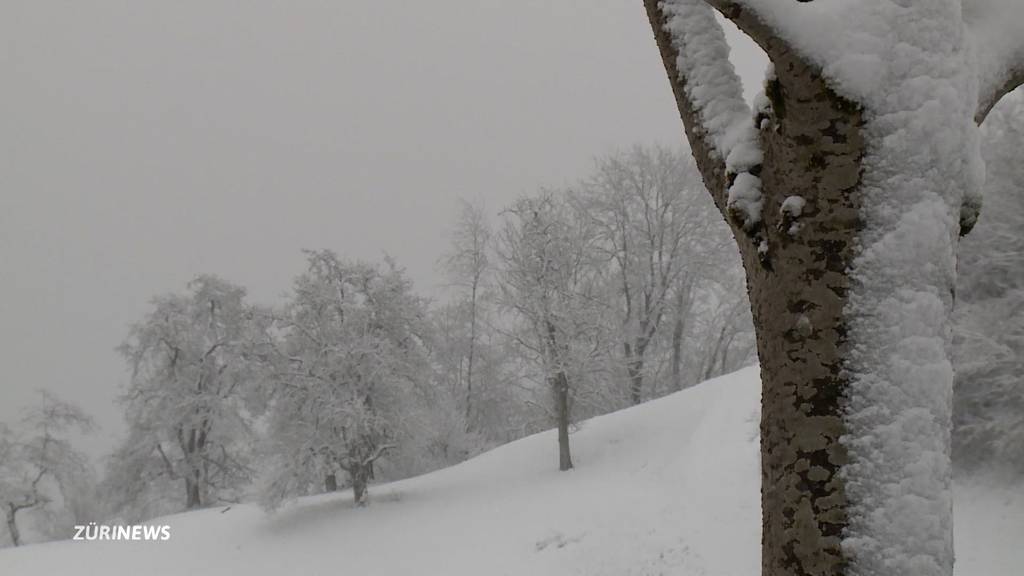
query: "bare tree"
467, 265
846, 188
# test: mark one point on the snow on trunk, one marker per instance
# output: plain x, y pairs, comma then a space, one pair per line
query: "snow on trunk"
910, 65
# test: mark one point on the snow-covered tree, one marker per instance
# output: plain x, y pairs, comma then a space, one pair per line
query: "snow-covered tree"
847, 187
652, 224
988, 400
41, 472
351, 354
189, 400
548, 281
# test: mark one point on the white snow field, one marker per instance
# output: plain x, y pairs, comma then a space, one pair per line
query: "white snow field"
669, 487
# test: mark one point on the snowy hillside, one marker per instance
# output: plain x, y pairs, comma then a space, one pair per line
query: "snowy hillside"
670, 487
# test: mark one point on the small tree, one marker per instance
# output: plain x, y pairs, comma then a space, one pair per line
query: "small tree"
548, 281
40, 468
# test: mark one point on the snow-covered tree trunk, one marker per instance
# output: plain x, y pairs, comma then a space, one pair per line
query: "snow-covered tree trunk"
846, 189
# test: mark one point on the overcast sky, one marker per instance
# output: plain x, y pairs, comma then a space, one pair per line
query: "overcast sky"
144, 143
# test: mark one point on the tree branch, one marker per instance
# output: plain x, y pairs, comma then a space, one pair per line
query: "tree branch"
167, 461
710, 162
378, 453
709, 95
989, 96
753, 26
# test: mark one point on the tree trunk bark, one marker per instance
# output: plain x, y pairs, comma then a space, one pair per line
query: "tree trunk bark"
677, 340
471, 355
797, 282
635, 370
813, 145
562, 412
192, 498
359, 475
12, 526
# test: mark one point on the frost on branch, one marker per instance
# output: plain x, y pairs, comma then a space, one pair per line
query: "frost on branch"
717, 96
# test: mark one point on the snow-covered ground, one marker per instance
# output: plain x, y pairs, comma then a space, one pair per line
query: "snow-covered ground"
669, 487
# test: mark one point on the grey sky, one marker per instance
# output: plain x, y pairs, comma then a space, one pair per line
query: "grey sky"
146, 142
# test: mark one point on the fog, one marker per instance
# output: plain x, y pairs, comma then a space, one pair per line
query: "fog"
144, 143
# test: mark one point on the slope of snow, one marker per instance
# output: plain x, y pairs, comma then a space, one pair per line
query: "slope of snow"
670, 487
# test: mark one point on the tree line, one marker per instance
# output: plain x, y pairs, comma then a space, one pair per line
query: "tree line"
563, 305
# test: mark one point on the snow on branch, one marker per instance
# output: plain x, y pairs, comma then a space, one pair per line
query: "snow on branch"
754, 19
719, 123
992, 91
996, 29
